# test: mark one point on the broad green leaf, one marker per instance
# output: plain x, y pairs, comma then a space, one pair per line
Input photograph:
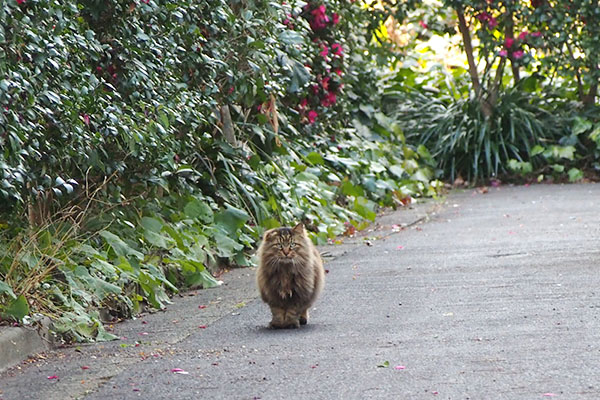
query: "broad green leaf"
201, 278
537, 149
575, 175
581, 125
17, 309
350, 189
231, 219
6, 289
199, 209
315, 158
151, 224
119, 246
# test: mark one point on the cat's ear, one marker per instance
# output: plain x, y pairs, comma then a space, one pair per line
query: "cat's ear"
299, 229
269, 234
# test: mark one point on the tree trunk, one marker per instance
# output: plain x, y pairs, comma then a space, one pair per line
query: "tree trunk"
509, 33
589, 99
228, 132
466, 36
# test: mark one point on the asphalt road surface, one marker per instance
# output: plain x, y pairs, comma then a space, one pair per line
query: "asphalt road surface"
495, 296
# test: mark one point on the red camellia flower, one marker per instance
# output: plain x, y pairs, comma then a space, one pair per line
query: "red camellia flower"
423, 25
324, 50
508, 42
536, 3
320, 19
303, 102
535, 34
20, 1
312, 116
523, 35
336, 18
492, 22
503, 53
336, 48
518, 54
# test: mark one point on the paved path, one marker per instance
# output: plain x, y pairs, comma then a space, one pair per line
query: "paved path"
497, 296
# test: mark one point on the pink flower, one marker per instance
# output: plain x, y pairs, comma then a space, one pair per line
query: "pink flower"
338, 71
518, 54
20, 1
315, 89
312, 116
146, 1
86, 119
535, 34
336, 18
324, 50
320, 19
325, 83
492, 22
336, 48
423, 24
508, 42
484, 16
503, 53
329, 100
286, 21
523, 35
303, 102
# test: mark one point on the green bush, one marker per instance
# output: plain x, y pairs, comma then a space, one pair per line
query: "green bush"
145, 144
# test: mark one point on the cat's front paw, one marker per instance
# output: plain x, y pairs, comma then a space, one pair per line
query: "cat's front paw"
284, 325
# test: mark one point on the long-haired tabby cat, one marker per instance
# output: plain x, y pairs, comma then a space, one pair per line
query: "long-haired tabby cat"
290, 275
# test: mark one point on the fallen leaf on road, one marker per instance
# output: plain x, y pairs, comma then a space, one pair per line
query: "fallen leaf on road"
385, 364
179, 371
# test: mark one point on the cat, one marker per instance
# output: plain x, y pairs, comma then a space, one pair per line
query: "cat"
290, 275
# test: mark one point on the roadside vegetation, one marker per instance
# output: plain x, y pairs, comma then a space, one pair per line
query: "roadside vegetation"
144, 145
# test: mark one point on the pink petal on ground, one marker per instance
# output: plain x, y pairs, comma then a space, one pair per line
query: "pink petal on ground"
400, 247
53, 377
179, 371
399, 367
202, 307
143, 333
85, 367
549, 394
202, 327
435, 392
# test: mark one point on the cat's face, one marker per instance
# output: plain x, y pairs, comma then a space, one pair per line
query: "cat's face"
285, 243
